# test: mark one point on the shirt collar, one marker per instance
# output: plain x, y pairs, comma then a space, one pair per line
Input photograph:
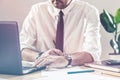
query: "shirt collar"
55, 11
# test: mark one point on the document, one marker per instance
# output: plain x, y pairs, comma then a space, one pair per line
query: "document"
2, 79
67, 71
62, 74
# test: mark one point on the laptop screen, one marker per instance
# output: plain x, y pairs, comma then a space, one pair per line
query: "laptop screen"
10, 56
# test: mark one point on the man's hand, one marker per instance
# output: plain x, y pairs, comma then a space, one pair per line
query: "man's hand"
56, 52
79, 58
53, 61
52, 58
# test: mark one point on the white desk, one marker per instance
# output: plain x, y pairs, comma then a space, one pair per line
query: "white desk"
36, 75
22, 77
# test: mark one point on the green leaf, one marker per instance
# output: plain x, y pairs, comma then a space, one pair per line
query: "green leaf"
118, 42
118, 46
107, 20
114, 45
117, 16
119, 37
111, 43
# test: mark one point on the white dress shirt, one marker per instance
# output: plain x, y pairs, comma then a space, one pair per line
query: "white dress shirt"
81, 28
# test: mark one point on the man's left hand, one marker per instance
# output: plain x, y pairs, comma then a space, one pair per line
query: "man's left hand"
53, 61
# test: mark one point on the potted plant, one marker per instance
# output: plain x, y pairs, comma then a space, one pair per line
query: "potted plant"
110, 24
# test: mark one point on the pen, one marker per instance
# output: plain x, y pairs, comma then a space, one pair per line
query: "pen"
81, 71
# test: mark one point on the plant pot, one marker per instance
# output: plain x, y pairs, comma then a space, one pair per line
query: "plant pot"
114, 56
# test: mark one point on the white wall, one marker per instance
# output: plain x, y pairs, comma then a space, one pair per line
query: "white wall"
111, 6
16, 10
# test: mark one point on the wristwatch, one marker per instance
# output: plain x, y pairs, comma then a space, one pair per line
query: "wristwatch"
69, 59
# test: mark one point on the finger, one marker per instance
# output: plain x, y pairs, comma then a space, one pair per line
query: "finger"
60, 62
45, 62
53, 53
55, 65
44, 54
39, 60
56, 52
60, 53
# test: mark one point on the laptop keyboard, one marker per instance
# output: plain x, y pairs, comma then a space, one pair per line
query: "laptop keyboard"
26, 67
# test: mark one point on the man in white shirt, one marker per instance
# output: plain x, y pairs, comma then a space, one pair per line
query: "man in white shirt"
81, 34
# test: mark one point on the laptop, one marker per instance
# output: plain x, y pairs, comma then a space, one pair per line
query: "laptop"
10, 55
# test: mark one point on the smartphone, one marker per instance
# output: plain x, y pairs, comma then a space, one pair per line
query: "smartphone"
112, 62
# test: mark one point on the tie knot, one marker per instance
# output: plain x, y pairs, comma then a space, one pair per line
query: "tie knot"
61, 13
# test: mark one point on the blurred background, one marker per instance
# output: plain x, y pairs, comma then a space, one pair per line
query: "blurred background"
17, 10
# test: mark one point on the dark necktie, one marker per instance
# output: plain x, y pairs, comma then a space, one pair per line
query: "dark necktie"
60, 32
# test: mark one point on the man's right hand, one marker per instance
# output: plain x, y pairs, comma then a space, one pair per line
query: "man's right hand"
53, 52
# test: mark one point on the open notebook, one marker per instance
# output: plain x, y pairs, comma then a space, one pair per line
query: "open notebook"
10, 55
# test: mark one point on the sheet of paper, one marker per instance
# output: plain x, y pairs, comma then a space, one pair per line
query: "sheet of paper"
83, 76
62, 75
88, 76
2, 79
62, 72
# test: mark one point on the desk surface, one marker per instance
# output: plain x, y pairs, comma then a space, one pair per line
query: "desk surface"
21, 77
37, 75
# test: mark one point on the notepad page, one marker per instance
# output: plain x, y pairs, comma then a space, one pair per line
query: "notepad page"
83, 76
63, 71
61, 74
2, 79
